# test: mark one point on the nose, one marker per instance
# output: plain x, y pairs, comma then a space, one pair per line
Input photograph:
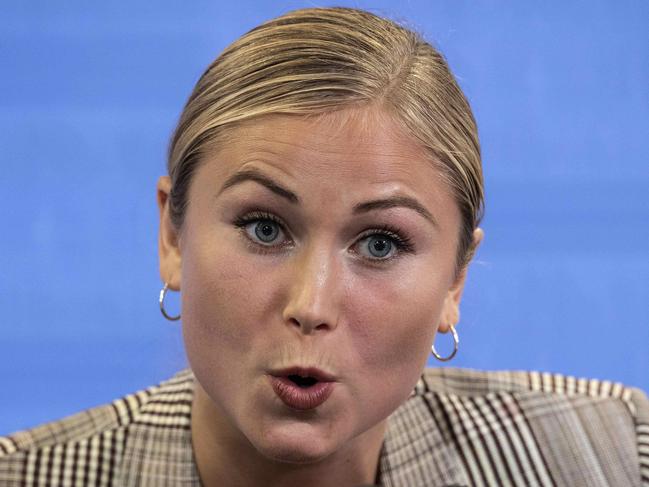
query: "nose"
313, 303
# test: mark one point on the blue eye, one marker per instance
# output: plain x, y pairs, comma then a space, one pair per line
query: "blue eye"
384, 244
263, 231
262, 228
377, 246
266, 230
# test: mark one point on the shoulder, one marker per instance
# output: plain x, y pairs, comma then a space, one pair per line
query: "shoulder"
550, 428
536, 391
472, 382
91, 443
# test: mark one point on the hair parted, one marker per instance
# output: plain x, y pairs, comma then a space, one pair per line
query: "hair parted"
317, 60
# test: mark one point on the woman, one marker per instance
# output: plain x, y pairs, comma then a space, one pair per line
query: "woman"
321, 210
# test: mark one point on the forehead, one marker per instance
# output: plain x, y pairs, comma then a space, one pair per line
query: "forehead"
363, 145
334, 161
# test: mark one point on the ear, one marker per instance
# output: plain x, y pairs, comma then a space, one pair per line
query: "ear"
168, 239
451, 308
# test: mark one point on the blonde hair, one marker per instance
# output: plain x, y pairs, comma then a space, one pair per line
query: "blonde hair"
312, 61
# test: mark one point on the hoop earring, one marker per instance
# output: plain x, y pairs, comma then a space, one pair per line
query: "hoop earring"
456, 344
163, 293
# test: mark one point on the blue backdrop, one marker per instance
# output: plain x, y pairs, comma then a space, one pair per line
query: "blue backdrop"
90, 92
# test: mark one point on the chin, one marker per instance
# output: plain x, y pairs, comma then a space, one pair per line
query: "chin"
293, 456
294, 447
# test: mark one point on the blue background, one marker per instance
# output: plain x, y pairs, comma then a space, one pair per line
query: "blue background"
90, 92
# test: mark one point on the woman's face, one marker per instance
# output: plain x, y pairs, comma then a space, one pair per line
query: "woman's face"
324, 243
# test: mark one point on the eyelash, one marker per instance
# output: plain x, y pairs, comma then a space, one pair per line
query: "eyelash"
255, 216
403, 243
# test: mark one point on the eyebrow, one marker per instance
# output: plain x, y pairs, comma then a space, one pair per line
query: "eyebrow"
258, 177
365, 207
393, 202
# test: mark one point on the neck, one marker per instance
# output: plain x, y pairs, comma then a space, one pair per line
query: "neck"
225, 457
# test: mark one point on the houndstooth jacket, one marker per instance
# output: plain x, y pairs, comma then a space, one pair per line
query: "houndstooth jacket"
458, 428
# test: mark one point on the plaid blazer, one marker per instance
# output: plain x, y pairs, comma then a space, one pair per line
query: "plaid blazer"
458, 428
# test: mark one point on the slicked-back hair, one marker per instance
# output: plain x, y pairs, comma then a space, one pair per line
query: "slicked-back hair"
314, 61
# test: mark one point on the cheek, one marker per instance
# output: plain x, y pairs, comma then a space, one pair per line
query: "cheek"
395, 320
216, 313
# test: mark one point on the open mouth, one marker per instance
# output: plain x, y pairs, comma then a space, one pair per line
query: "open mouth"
302, 388
303, 382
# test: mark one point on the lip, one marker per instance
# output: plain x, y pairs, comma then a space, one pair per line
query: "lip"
314, 372
302, 398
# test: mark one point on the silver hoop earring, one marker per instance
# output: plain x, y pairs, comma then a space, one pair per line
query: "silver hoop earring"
163, 293
456, 344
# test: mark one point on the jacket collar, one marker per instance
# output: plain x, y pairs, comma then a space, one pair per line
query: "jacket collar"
157, 446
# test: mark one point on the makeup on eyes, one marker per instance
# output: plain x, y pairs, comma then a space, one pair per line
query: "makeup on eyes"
383, 235
249, 217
